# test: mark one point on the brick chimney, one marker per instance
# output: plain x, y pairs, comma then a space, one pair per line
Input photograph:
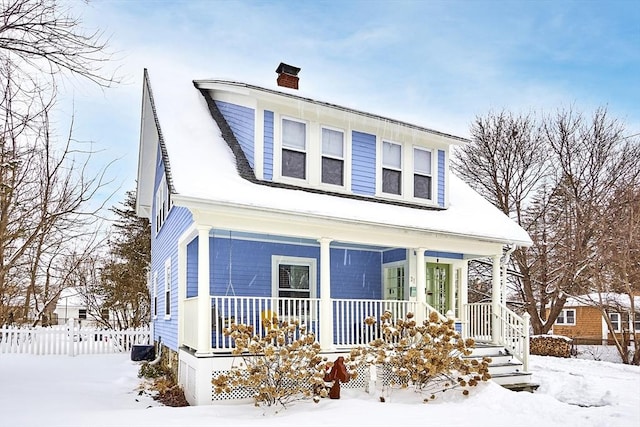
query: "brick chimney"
288, 76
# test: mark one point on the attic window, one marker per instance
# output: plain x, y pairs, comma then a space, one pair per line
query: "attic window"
163, 203
391, 168
332, 157
294, 149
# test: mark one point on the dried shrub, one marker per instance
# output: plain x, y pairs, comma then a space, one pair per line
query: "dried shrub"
278, 368
428, 357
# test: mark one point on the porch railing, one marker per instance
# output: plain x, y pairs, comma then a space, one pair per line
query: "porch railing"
513, 330
349, 314
262, 313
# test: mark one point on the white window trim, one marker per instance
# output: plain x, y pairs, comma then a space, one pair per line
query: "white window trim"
163, 203
382, 166
619, 328
346, 169
563, 313
276, 260
155, 295
167, 289
431, 175
278, 147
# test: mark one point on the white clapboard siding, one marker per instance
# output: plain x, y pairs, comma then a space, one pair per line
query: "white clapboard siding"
70, 339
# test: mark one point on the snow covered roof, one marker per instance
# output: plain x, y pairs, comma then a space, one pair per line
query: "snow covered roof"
203, 168
611, 299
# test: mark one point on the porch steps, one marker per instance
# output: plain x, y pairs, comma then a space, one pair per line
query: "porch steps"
504, 368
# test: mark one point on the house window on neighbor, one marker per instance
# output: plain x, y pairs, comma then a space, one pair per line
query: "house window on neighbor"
615, 321
636, 323
566, 317
82, 314
167, 288
294, 149
391, 168
332, 157
422, 173
104, 314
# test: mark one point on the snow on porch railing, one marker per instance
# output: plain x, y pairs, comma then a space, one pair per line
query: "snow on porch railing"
70, 339
254, 311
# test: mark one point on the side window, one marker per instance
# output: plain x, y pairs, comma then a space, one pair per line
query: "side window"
391, 168
294, 149
163, 203
615, 321
422, 180
332, 157
566, 317
155, 294
167, 288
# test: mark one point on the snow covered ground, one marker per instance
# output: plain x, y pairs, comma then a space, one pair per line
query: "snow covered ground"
102, 390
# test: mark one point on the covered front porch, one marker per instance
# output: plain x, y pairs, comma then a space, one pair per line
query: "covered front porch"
330, 286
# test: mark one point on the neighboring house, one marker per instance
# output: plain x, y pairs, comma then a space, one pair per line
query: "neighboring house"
71, 305
262, 201
583, 320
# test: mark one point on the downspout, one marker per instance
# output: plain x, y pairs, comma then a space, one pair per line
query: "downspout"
505, 266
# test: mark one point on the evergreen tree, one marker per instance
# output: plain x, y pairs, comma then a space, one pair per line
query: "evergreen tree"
123, 282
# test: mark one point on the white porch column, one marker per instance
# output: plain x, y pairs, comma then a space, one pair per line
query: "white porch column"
204, 297
421, 284
326, 308
495, 300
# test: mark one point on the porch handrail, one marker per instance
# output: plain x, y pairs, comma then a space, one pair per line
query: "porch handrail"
515, 334
513, 330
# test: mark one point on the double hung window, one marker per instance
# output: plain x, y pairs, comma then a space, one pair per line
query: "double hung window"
391, 168
294, 283
294, 149
167, 288
332, 157
615, 321
422, 173
566, 317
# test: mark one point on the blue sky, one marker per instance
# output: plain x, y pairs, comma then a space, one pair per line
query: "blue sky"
438, 64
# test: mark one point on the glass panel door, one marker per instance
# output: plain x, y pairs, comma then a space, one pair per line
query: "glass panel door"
438, 286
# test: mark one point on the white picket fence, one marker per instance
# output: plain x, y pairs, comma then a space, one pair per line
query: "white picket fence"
70, 339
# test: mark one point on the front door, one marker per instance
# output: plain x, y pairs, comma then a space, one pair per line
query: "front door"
439, 286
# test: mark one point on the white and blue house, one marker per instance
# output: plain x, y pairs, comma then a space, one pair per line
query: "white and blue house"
264, 202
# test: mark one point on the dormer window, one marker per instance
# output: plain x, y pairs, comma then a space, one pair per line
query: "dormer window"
391, 168
422, 181
294, 149
332, 157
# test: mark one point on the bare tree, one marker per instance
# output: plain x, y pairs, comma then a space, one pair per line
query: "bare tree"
42, 37
48, 221
555, 179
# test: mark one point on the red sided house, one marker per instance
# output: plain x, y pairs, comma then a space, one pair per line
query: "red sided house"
262, 200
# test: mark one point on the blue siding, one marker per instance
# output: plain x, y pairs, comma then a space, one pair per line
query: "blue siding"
356, 274
450, 255
394, 255
250, 265
163, 246
192, 268
242, 122
268, 145
441, 173
363, 163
